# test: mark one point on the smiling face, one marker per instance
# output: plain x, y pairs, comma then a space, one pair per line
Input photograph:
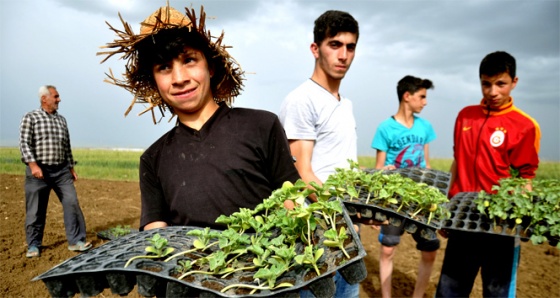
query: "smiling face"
184, 83
496, 89
334, 55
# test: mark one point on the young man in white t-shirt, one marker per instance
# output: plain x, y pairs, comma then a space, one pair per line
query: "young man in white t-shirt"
318, 120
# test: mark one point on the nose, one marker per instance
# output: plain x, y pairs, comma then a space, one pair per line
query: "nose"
343, 53
493, 90
178, 74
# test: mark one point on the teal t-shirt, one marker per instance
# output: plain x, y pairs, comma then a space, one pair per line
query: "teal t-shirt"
404, 146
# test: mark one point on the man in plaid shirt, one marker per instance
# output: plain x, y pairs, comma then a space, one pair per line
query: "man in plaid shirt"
45, 149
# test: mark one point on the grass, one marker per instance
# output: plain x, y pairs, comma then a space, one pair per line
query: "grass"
119, 165
100, 164
547, 169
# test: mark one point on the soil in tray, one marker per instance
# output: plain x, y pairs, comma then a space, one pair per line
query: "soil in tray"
213, 285
311, 274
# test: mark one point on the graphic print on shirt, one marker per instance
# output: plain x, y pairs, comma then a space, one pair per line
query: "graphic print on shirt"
497, 138
407, 159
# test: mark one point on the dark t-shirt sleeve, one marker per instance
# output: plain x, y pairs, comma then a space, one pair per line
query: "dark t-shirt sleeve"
154, 206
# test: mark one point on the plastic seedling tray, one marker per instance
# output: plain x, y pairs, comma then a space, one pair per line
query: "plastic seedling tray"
466, 217
103, 267
435, 178
417, 224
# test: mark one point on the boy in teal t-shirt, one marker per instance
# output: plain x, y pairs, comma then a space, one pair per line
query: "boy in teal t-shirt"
401, 142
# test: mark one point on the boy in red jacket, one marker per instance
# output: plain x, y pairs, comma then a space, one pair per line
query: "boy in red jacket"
489, 139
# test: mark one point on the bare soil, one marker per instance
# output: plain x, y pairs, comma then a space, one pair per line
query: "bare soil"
107, 204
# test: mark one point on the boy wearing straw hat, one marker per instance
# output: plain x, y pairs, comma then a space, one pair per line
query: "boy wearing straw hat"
216, 159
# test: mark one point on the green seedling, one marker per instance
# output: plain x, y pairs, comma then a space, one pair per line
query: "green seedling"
390, 190
119, 230
513, 199
201, 243
336, 240
157, 250
310, 257
183, 266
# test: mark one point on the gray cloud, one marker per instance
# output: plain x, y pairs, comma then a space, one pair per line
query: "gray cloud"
55, 41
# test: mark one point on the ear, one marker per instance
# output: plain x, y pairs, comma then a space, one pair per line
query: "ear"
315, 50
406, 95
514, 82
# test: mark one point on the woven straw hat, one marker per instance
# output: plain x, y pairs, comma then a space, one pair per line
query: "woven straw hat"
143, 89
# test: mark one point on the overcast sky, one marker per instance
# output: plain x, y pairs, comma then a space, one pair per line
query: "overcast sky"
55, 42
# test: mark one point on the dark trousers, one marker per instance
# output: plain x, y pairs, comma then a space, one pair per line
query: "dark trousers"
37, 191
497, 258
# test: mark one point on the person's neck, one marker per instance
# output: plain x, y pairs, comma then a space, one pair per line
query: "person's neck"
197, 119
404, 117
330, 84
49, 111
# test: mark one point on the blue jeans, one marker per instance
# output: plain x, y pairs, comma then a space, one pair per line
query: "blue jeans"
37, 192
343, 289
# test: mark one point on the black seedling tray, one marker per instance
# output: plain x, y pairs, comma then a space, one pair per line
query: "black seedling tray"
103, 267
466, 217
435, 178
411, 225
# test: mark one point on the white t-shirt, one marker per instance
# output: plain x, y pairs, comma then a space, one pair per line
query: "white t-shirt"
310, 112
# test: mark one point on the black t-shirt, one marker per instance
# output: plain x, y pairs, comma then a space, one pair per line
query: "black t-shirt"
235, 160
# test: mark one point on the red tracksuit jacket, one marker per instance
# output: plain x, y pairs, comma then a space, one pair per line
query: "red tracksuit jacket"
488, 141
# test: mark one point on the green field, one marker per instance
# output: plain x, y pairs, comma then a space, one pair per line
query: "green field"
98, 164
119, 165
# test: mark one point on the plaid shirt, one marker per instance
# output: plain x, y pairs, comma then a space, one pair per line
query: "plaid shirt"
44, 139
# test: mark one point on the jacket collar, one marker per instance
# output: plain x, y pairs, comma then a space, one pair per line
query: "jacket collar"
508, 106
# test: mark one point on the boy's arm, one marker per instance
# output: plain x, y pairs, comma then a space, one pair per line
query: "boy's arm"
453, 171
380, 161
427, 156
302, 151
524, 157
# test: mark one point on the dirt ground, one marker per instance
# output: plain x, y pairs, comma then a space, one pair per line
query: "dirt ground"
107, 204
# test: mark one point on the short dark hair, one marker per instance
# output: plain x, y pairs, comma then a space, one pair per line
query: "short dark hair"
412, 84
332, 22
168, 44
496, 63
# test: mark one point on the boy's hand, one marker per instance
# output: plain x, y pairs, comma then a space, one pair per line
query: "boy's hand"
389, 167
443, 233
289, 204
